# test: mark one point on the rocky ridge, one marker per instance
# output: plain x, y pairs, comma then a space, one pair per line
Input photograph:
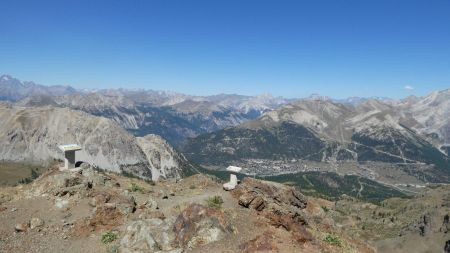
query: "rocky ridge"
85, 207
33, 135
173, 116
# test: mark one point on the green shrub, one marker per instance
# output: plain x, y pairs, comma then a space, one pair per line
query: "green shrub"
34, 175
109, 237
214, 201
136, 188
325, 209
333, 239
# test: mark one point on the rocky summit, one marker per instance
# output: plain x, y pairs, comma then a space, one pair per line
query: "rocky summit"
91, 211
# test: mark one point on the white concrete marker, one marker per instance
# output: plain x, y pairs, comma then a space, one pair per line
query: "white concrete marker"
233, 178
69, 155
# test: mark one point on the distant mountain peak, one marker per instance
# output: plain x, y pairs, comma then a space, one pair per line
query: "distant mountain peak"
5, 77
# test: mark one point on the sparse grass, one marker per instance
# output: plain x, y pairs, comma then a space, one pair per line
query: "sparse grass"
109, 237
112, 249
192, 187
333, 239
131, 175
325, 209
12, 173
214, 201
136, 188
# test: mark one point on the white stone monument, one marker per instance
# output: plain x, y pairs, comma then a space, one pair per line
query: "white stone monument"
69, 155
233, 178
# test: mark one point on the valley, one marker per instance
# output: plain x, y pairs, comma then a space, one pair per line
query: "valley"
225, 126
373, 172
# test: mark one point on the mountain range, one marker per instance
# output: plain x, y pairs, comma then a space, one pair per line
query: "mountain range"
173, 116
32, 135
372, 137
411, 134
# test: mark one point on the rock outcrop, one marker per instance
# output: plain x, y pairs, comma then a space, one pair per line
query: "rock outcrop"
199, 225
149, 235
86, 210
33, 135
281, 205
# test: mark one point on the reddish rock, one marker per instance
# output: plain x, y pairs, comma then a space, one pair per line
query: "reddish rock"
265, 193
198, 225
262, 242
99, 198
246, 199
281, 205
258, 203
22, 227
105, 217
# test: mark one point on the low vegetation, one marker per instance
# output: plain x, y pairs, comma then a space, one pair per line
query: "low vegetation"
136, 188
109, 237
331, 186
113, 249
214, 201
27, 180
333, 240
12, 173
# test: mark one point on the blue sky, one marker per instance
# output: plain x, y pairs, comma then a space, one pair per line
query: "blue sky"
337, 48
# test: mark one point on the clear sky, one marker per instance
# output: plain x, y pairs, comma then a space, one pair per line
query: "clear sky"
337, 48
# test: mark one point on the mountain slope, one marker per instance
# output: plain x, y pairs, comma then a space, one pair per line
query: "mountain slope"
322, 131
33, 134
175, 122
286, 140
432, 115
172, 115
12, 89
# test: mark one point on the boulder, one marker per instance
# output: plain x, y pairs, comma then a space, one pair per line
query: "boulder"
199, 225
281, 205
151, 204
252, 200
22, 227
150, 235
258, 195
125, 204
99, 198
36, 222
425, 224
61, 203
445, 228
447, 247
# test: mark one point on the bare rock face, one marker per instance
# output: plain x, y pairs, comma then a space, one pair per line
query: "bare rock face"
149, 235
257, 195
33, 135
445, 228
164, 161
198, 225
262, 242
99, 199
36, 222
447, 247
281, 205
